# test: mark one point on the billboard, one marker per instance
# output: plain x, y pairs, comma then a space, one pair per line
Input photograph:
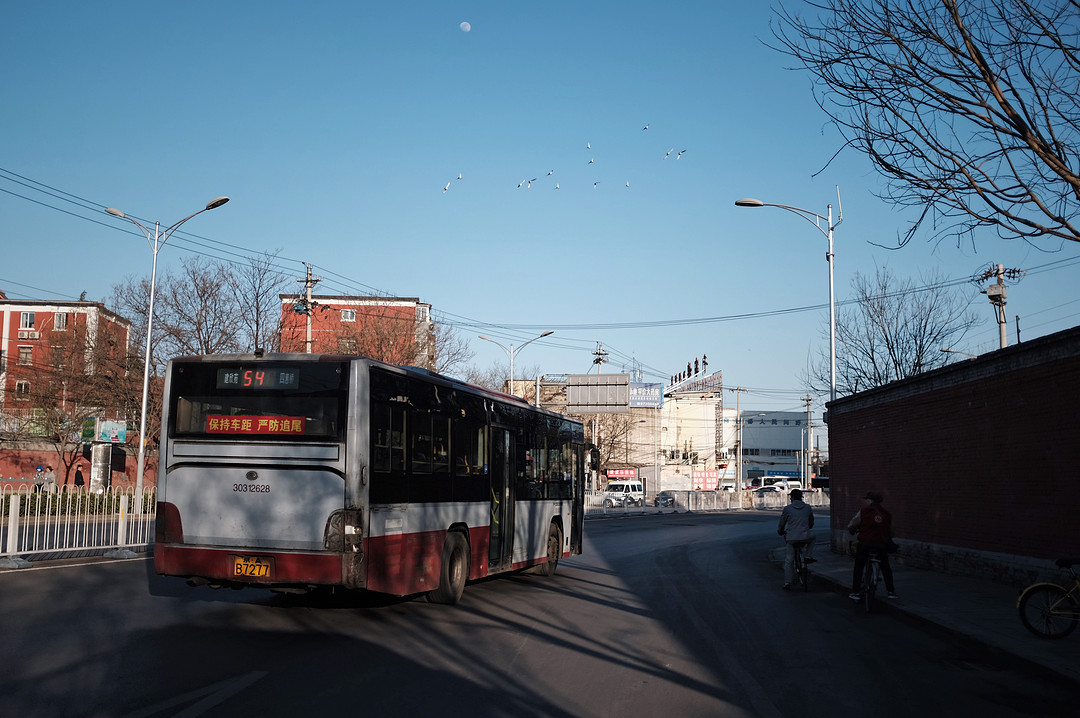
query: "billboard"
598, 393
646, 396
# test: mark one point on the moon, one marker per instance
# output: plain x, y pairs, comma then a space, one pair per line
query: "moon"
465, 27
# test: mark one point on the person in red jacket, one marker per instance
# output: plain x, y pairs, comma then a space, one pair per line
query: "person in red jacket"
873, 524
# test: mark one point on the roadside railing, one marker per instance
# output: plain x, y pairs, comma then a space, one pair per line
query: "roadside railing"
72, 522
600, 503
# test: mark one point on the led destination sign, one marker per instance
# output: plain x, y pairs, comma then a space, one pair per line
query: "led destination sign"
269, 378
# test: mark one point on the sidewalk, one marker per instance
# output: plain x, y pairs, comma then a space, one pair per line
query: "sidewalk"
978, 610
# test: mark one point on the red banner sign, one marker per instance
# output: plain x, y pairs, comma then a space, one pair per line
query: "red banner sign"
288, 425
622, 473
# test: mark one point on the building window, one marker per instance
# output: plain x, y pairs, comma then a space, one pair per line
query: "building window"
60, 321
22, 390
26, 320
348, 315
26, 355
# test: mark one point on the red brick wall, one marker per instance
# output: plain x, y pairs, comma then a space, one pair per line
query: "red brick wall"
982, 455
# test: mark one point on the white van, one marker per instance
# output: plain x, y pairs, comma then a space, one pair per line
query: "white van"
624, 493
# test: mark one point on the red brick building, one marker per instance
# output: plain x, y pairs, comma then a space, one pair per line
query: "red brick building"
978, 460
397, 330
39, 339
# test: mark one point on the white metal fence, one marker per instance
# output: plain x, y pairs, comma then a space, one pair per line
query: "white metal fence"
72, 522
599, 503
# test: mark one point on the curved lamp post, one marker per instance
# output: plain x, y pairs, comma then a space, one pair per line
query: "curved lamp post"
510, 352
157, 239
816, 220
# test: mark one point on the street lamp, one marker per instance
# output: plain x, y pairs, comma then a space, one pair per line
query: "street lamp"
510, 352
816, 220
157, 240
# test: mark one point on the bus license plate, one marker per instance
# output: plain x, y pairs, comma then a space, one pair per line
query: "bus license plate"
253, 566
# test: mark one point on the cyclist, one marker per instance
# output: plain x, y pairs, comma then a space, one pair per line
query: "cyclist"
873, 524
796, 521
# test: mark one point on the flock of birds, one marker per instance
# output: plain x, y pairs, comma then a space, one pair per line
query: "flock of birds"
528, 183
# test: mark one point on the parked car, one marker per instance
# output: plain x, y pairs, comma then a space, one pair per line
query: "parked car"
664, 499
768, 490
622, 493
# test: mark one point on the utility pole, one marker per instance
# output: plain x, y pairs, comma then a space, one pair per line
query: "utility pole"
996, 294
808, 400
601, 357
738, 444
306, 305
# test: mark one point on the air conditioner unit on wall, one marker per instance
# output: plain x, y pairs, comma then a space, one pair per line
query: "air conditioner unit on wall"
28, 334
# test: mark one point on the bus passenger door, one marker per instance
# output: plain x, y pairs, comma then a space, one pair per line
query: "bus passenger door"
502, 495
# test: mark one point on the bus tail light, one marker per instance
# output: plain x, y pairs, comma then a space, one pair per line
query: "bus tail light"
168, 528
343, 531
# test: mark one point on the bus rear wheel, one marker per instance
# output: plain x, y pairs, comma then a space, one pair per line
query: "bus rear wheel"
453, 572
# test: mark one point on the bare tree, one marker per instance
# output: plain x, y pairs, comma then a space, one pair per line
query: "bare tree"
893, 329
969, 109
452, 351
198, 311
257, 285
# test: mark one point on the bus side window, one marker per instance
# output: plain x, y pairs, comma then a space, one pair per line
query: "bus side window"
388, 428
469, 448
440, 443
421, 443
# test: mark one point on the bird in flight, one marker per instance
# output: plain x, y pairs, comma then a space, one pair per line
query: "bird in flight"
521, 183
459, 175
595, 183
645, 127
556, 185
591, 160
680, 154
530, 183
551, 173
628, 183
446, 188
668, 152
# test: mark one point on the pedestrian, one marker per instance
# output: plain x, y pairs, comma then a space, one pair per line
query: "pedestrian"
39, 478
796, 522
50, 480
873, 524
79, 482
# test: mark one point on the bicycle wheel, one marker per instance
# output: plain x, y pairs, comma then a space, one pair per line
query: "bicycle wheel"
869, 587
1048, 611
803, 571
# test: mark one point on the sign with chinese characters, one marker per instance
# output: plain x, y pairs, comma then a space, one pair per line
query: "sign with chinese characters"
622, 473
276, 425
705, 480
646, 396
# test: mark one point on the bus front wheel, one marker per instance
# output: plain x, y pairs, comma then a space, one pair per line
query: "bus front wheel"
453, 572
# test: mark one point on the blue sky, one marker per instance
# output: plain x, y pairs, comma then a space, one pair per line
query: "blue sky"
335, 126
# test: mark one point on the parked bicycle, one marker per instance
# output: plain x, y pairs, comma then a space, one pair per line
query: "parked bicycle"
1049, 610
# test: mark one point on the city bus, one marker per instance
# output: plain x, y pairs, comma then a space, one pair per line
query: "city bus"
304, 471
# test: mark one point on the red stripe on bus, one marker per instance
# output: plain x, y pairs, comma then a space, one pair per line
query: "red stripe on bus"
289, 568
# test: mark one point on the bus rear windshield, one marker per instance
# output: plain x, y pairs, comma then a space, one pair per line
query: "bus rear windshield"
263, 401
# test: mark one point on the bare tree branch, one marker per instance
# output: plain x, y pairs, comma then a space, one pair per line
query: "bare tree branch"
970, 110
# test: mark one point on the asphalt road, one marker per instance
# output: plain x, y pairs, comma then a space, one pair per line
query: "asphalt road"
676, 615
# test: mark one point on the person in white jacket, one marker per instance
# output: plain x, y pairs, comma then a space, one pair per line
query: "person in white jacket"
796, 522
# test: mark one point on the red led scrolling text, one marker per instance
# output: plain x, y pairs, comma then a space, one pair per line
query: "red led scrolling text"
216, 424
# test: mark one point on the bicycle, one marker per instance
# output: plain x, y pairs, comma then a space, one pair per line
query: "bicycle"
1049, 610
801, 573
870, 579
800, 570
